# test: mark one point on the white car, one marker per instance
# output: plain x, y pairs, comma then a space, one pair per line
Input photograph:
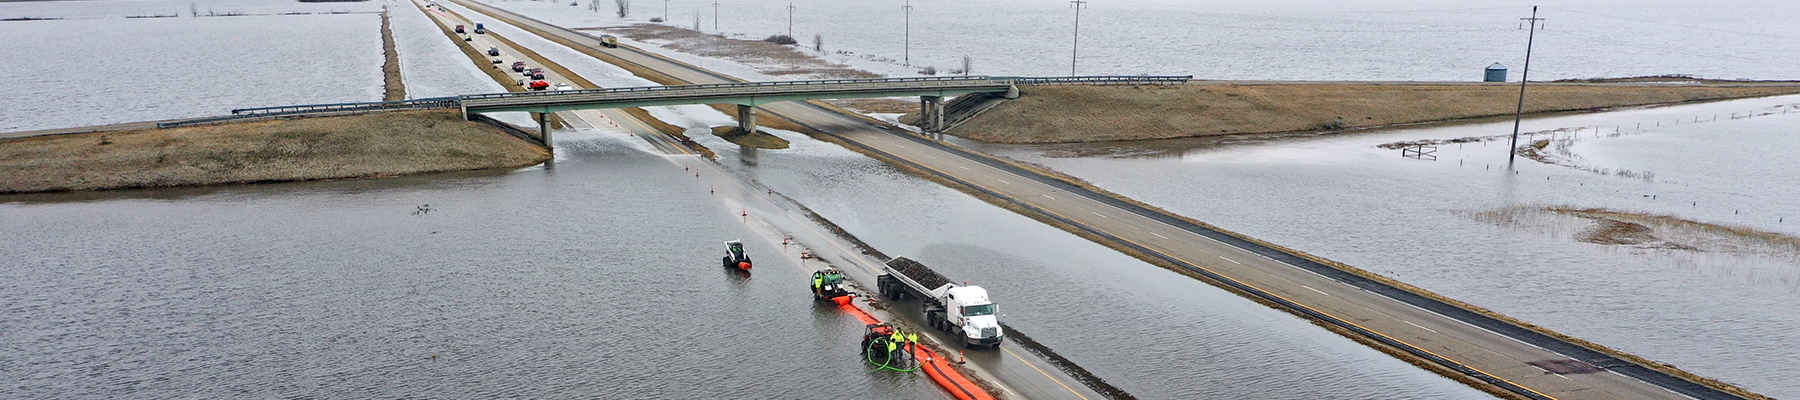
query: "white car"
564, 86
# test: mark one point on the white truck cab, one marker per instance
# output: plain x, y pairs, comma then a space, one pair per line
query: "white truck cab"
968, 312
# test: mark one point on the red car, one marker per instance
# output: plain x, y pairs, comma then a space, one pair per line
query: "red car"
539, 85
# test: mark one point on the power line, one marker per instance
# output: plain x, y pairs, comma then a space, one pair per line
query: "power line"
1512, 151
1075, 50
906, 57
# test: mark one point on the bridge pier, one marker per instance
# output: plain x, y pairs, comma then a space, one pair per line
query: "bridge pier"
931, 113
747, 118
544, 130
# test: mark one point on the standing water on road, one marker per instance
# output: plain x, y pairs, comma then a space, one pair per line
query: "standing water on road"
597, 277
1151, 332
1716, 304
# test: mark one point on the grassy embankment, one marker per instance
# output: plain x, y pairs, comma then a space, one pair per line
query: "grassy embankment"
393, 88
1064, 114
357, 146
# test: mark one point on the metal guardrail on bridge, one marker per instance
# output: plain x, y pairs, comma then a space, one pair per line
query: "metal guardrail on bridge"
748, 94
265, 112
735, 85
1095, 80
414, 104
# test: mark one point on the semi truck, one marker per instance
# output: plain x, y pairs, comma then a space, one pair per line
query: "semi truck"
961, 310
480, 29
609, 41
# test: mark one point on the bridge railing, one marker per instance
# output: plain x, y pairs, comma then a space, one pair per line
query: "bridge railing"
735, 85
414, 104
263, 112
1096, 80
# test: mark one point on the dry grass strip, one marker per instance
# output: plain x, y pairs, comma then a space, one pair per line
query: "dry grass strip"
357, 146
393, 87
1065, 114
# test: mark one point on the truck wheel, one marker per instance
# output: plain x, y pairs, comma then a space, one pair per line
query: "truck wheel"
726, 262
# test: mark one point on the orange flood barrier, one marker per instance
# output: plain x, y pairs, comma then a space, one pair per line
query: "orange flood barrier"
935, 366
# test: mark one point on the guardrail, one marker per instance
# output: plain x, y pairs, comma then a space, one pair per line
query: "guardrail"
1095, 80
736, 85
415, 104
264, 112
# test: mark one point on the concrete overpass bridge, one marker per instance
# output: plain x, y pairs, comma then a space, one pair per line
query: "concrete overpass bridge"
746, 95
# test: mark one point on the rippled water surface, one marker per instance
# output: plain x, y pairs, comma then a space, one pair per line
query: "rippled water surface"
1260, 39
84, 72
1152, 332
1726, 315
596, 278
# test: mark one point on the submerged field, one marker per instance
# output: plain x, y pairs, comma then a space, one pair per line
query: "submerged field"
369, 145
1067, 114
103, 71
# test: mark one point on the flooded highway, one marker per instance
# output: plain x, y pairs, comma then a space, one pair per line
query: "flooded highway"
597, 276
1714, 304
1149, 331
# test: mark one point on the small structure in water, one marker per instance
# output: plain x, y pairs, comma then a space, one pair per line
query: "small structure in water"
1495, 73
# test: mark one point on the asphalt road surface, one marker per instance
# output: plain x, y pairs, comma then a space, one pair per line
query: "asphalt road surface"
1477, 346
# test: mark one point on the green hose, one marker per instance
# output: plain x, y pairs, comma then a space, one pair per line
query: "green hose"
869, 356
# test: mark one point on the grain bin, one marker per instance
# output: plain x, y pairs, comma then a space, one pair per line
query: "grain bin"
1495, 73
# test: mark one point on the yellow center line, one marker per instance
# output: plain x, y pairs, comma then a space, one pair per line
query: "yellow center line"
1041, 371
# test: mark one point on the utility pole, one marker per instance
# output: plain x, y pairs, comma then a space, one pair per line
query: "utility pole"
715, 16
1076, 50
906, 58
790, 20
665, 10
1512, 151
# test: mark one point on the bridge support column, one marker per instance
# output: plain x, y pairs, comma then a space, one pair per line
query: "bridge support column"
747, 118
544, 130
931, 113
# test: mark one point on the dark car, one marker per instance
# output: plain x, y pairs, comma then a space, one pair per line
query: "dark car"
494, 51
518, 66
459, 29
537, 75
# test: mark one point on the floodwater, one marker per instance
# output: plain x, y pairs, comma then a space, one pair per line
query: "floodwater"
1256, 39
595, 278
1724, 313
1151, 332
84, 72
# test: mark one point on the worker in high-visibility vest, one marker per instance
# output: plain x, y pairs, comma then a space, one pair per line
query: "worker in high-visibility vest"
817, 281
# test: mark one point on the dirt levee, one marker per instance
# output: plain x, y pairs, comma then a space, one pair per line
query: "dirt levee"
1064, 114
358, 146
918, 272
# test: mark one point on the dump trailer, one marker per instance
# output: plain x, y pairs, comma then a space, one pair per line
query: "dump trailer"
609, 41
962, 310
